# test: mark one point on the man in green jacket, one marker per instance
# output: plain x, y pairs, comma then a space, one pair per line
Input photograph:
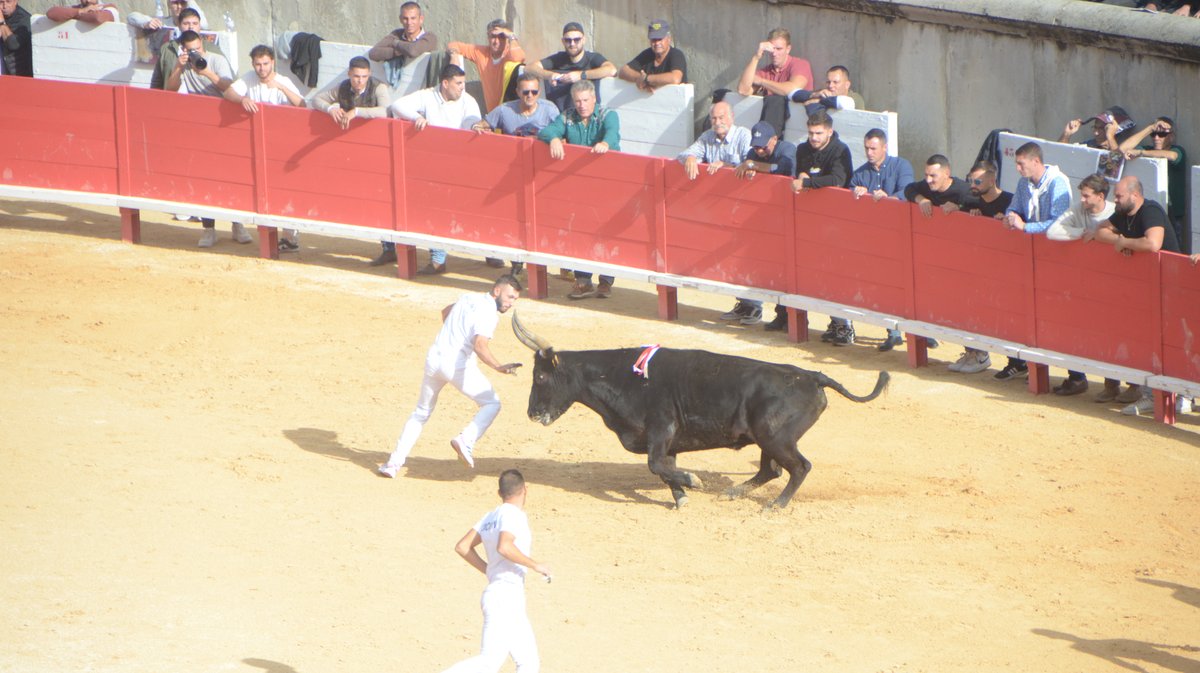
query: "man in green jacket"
593, 126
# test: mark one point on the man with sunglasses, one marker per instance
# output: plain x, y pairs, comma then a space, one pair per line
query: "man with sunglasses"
492, 59
1162, 146
572, 64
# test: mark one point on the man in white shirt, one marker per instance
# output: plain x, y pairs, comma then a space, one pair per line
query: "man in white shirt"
447, 105
264, 85
467, 327
505, 535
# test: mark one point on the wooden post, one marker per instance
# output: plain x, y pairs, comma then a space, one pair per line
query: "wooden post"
406, 261
797, 327
268, 242
918, 350
131, 225
1164, 407
668, 302
538, 288
1039, 378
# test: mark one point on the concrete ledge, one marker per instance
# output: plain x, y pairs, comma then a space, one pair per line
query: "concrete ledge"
1068, 22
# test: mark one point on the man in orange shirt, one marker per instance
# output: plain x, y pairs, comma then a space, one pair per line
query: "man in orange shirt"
491, 59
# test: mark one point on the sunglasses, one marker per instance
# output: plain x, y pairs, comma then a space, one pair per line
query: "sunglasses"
1161, 134
530, 92
975, 181
572, 40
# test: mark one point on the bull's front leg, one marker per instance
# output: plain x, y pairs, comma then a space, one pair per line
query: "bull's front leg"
662, 463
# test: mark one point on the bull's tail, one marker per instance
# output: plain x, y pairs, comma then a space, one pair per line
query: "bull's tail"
880, 386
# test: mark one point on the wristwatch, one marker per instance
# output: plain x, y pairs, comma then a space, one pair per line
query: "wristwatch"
582, 75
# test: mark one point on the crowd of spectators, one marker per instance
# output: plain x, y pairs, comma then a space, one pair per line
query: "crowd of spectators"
554, 99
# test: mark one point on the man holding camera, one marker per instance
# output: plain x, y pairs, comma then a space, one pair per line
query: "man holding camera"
199, 73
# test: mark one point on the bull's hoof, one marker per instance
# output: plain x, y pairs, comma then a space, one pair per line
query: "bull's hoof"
694, 481
680, 502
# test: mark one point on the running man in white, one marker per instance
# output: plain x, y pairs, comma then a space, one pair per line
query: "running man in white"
504, 533
467, 327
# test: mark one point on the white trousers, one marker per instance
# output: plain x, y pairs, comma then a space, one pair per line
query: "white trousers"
506, 632
470, 382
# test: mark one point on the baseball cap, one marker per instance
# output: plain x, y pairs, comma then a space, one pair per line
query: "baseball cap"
761, 134
573, 26
1118, 114
659, 29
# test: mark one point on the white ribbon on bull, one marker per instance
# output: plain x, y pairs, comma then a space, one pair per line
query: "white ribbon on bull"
642, 366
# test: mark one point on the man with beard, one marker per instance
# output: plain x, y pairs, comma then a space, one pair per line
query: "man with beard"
1162, 146
783, 75
824, 161
492, 59
572, 64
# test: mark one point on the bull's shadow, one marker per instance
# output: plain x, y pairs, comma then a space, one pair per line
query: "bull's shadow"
269, 666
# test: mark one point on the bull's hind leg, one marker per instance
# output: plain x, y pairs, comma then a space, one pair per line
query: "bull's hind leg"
768, 469
798, 468
781, 447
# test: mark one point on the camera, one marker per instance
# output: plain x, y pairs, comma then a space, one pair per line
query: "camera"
196, 59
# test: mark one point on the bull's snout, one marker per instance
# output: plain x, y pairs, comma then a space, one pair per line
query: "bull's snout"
544, 419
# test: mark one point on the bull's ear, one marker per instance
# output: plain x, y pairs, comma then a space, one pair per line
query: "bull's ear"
549, 355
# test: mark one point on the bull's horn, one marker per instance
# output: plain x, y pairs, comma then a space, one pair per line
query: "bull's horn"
532, 341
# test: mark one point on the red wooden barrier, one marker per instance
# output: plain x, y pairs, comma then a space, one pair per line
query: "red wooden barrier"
972, 274
1180, 286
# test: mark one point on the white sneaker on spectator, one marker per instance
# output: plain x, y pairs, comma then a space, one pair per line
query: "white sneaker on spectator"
180, 217
1143, 407
240, 234
978, 362
388, 470
209, 238
1183, 405
962, 360
463, 451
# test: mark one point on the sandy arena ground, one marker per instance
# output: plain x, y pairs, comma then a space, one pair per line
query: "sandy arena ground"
188, 439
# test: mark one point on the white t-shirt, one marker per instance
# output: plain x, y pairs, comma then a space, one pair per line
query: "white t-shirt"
428, 103
473, 315
249, 85
511, 519
1076, 222
194, 83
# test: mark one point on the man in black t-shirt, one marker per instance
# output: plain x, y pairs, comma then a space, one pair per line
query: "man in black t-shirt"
986, 199
660, 65
572, 64
939, 188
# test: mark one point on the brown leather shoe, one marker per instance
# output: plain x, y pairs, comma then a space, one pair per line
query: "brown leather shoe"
582, 290
431, 269
603, 290
1109, 394
1071, 387
495, 262
1131, 394
386, 256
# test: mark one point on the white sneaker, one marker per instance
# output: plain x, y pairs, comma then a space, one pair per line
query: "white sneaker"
209, 238
1183, 405
962, 360
1142, 407
240, 234
464, 452
388, 470
978, 362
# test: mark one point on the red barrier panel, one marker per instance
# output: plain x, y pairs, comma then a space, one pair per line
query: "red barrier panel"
1180, 285
972, 274
465, 185
854, 251
193, 149
65, 140
600, 207
729, 230
315, 170
1094, 302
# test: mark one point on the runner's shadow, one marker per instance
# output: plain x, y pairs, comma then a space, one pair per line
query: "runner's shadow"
269, 666
1125, 652
1182, 593
325, 443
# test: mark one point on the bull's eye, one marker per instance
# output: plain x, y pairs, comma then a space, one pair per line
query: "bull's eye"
541, 377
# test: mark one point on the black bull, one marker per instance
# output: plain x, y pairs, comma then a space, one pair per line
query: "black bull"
692, 400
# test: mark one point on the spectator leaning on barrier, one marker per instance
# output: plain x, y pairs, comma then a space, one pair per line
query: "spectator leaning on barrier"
725, 144
1162, 146
938, 188
661, 65
1043, 194
592, 126
572, 64
495, 60
16, 40
187, 19
359, 96
199, 73
782, 75
87, 11
837, 93
264, 85
446, 106
768, 153
526, 116
139, 20
1137, 225
824, 161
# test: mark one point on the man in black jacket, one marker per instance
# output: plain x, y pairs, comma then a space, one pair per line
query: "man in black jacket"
16, 46
824, 161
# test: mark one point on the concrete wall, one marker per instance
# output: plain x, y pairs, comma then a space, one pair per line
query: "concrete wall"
953, 69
